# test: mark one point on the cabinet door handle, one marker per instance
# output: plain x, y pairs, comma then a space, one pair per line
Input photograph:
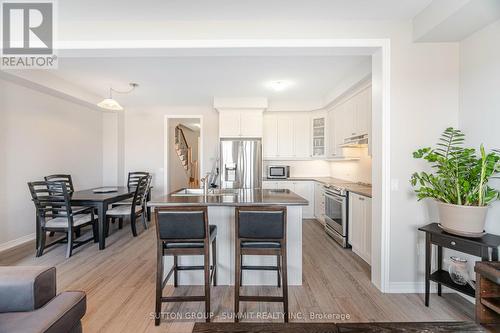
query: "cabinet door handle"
361, 198
453, 243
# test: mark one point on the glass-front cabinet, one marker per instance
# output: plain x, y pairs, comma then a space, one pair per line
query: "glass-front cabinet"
319, 136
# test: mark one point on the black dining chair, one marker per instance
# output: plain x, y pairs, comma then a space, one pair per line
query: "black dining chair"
184, 231
136, 208
133, 178
68, 181
55, 214
261, 230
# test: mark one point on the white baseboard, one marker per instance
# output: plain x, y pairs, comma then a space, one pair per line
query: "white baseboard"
414, 288
16, 242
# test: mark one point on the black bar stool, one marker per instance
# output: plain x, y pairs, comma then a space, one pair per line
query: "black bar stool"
261, 230
184, 231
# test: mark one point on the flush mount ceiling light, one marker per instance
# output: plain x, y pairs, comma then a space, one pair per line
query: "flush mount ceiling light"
279, 85
110, 103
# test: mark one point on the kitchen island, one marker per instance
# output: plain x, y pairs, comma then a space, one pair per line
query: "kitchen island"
221, 212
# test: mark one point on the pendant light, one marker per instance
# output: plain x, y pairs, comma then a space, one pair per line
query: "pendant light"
110, 103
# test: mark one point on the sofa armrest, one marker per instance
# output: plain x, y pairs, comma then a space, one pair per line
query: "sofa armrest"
26, 288
62, 314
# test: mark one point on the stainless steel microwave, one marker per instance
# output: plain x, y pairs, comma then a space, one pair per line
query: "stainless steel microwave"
278, 171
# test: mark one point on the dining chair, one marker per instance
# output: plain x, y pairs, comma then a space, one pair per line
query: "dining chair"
68, 181
55, 214
184, 231
136, 208
133, 178
261, 231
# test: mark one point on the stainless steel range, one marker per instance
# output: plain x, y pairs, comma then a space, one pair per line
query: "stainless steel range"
336, 201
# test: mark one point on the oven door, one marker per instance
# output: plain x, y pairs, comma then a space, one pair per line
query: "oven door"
336, 213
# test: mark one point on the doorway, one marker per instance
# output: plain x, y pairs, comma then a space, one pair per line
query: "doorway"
183, 151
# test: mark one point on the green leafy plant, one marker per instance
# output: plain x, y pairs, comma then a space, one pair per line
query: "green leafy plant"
460, 176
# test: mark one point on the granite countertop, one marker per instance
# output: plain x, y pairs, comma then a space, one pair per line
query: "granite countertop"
247, 197
362, 189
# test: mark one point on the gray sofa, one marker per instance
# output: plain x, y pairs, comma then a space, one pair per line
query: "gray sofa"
28, 302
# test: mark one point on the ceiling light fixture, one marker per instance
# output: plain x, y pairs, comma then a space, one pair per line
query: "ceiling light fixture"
279, 85
110, 103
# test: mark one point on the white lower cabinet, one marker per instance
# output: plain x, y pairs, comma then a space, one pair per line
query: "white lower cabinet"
319, 203
360, 225
303, 188
306, 190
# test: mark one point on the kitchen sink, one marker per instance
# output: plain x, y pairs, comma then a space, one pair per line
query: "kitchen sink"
195, 192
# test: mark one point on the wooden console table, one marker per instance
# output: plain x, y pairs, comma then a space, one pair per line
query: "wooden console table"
474, 246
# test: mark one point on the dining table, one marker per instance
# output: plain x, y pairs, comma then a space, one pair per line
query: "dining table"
101, 201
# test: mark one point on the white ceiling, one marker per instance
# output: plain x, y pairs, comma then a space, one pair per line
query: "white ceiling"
159, 10
197, 80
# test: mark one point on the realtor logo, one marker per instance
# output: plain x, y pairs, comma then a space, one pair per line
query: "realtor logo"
28, 35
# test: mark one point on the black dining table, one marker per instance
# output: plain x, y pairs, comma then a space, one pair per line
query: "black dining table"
100, 201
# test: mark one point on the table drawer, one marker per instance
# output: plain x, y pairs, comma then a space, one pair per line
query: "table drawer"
456, 244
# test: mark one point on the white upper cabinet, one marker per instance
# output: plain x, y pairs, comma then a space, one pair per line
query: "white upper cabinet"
302, 135
319, 136
332, 137
240, 123
286, 136
270, 136
363, 113
342, 126
229, 124
251, 123
350, 118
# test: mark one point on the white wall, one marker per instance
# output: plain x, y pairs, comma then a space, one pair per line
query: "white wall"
479, 115
41, 135
144, 149
110, 140
356, 171
424, 101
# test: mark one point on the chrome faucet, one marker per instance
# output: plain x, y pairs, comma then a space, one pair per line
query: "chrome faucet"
205, 181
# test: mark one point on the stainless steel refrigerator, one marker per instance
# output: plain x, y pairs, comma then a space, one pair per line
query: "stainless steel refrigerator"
241, 163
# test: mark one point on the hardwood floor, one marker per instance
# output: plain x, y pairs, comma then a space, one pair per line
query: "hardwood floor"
120, 282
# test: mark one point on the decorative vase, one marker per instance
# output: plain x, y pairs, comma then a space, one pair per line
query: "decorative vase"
465, 221
458, 271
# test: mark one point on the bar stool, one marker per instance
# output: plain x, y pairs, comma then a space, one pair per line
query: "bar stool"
184, 231
261, 230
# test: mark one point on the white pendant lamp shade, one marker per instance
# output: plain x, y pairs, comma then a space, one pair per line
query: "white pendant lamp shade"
110, 104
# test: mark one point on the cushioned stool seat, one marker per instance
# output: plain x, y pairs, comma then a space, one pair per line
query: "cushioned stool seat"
260, 245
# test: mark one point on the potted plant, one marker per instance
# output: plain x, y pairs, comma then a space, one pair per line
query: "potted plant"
459, 183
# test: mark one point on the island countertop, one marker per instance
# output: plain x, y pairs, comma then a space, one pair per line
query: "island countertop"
242, 197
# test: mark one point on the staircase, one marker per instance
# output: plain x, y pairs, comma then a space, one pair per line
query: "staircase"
184, 153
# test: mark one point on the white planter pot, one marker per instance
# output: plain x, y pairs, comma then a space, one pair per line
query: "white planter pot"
464, 220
